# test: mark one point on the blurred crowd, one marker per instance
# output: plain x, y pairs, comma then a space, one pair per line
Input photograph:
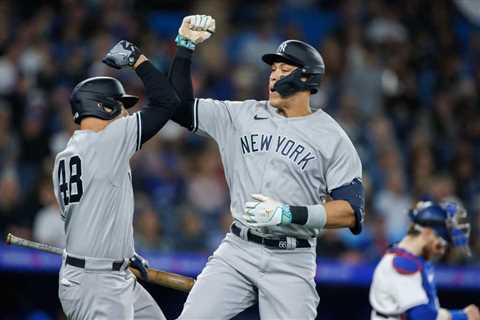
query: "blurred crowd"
402, 78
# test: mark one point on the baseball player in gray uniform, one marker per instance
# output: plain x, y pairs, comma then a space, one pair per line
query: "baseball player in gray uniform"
282, 162
93, 186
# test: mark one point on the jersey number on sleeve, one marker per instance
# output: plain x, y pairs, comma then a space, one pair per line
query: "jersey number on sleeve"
65, 186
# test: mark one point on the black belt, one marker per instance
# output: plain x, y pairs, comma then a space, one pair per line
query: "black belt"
383, 315
280, 243
80, 263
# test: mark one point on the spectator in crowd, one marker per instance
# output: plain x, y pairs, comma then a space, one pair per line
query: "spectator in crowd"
8, 141
206, 189
392, 203
149, 231
48, 226
192, 232
219, 230
10, 200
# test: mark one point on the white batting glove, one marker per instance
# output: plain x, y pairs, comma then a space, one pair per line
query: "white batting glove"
197, 28
266, 212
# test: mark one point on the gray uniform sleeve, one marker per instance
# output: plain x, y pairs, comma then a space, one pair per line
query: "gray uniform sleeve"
119, 141
344, 166
215, 118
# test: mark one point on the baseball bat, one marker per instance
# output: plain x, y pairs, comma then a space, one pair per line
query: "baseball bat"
162, 278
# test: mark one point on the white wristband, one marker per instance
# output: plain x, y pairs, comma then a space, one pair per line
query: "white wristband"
317, 216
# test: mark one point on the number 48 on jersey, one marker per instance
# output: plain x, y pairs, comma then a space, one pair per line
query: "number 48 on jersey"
70, 188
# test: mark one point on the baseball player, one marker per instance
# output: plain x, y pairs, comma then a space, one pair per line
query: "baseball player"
93, 186
403, 285
281, 162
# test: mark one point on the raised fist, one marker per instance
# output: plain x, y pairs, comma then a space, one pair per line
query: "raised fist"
197, 28
122, 54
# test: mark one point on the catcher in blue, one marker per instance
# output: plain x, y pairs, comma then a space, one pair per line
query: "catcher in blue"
281, 163
403, 285
93, 186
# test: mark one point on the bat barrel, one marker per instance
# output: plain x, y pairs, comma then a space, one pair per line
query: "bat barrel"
9, 239
13, 240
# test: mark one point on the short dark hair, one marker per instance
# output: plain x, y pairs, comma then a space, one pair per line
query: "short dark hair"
413, 231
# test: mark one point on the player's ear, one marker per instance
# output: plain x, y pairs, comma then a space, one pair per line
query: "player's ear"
427, 233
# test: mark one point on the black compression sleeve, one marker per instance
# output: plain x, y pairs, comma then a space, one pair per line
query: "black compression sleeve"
180, 77
299, 214
162, 100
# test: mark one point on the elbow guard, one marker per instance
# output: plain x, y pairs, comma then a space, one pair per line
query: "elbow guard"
353, 193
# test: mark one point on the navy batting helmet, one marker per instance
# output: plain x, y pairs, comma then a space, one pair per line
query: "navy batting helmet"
99, 97
309, 62
445, 219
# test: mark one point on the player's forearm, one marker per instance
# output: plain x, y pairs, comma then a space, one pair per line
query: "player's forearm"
139, 61
162, 99
333, 214
180, 73
180, 76
353, 194
346, 211
339, 214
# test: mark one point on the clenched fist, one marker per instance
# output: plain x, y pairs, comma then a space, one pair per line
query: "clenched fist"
122, 54
197, 28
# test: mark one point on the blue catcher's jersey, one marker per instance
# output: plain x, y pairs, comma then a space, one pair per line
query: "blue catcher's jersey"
400, 282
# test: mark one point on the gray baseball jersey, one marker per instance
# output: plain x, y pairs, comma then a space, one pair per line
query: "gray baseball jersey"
297, 161
92, 184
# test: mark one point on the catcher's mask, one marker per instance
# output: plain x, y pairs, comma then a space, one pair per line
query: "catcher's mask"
448, 219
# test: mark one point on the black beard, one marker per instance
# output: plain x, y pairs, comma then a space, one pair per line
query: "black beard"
426, 255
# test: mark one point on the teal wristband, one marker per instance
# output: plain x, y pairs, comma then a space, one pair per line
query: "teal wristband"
184, 42
286, 214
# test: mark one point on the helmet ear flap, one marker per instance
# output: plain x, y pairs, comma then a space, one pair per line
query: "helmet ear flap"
313, 81
104, 108
110, 106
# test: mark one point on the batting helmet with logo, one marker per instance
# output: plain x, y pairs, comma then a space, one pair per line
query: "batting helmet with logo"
99, 97
309, 62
